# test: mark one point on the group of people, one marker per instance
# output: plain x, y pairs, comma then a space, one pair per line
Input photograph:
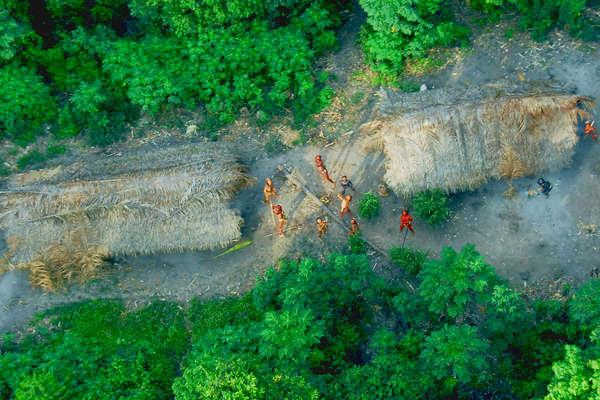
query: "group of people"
344, 196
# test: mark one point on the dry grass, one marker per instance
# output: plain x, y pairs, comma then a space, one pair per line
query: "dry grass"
457, 140
587, 229
147, 201
511, 166
61, 265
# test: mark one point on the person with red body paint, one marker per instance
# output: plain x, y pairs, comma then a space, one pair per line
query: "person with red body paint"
406, 221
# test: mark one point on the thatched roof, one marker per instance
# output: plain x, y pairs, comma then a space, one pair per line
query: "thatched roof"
458, 139
147, 201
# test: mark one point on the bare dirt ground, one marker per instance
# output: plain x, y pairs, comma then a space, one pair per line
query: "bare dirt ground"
533, 242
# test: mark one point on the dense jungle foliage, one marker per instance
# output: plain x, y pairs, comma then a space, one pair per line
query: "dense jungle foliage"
402, 31
77, 66
93, 66
331, 330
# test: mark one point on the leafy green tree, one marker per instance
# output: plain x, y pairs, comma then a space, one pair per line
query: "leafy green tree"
584, 306
394, 371
98, 350
456, 355
398, 30
15, 36
229, 379
25, 104
455, 284
289, 335
577, 376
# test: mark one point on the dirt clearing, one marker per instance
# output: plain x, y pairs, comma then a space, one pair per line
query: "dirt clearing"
526, 239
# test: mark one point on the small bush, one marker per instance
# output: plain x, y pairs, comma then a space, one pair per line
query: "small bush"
369, 205
357, 244
412, 260
432, 206
55, 150
4, 170
31, 159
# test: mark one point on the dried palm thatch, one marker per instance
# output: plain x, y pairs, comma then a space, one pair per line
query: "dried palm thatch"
457, 140
147, 201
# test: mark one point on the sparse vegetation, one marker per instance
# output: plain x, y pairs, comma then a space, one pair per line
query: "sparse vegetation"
274, 145
35, 158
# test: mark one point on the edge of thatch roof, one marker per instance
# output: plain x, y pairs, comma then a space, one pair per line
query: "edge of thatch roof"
458, 139
181, 201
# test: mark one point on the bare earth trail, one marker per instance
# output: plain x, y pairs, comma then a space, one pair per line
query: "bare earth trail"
526, 239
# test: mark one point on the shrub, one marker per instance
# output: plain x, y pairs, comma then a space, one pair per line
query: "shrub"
412, 260
55, 150
356, 244
274, 145
432, 206
541, 16
369, 205
31, 159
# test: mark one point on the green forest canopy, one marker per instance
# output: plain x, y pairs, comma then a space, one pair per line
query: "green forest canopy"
311, 330
92, 66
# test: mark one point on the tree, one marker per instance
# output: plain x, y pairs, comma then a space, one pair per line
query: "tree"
25, 104
397, 30
577, 376
584, 306
456, 355
216, 380
456, 283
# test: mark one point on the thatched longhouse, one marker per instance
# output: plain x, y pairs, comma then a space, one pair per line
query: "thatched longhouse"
458, 139
147, 201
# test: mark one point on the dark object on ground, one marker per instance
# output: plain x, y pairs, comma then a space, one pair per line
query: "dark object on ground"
545, 186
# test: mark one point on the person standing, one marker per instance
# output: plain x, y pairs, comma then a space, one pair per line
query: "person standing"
269, 190
345, 205
322, 170
354, 228
406, 221
346, 184
544, 187
281, 220
321, 227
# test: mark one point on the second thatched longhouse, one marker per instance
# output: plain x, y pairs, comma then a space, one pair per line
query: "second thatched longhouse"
457, 139
150, 200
